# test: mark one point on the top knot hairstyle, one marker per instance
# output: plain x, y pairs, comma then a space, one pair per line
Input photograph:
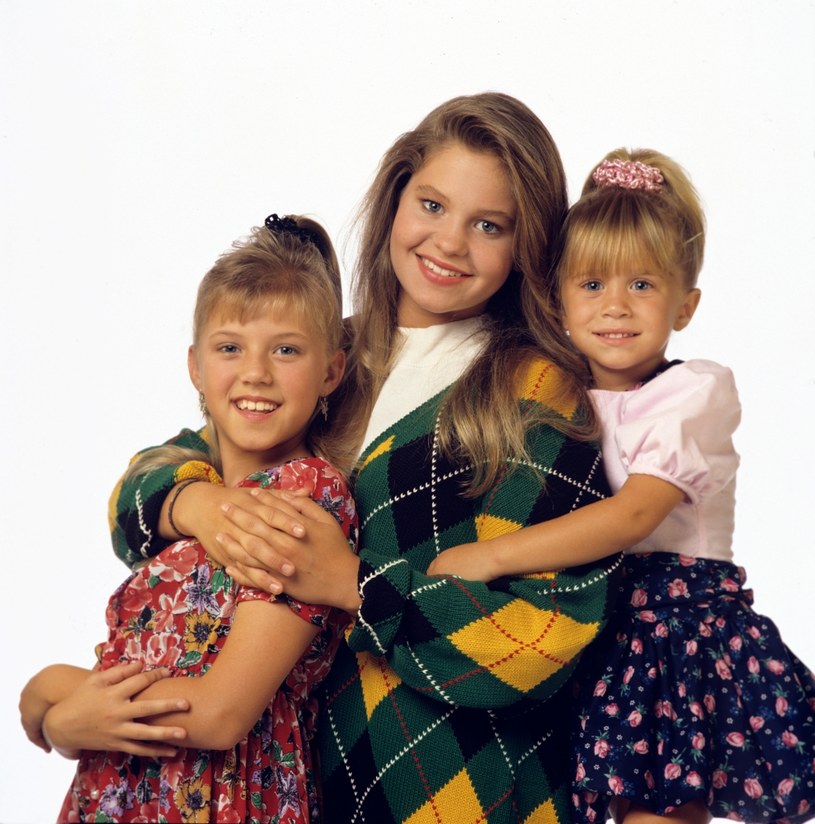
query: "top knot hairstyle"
638, 207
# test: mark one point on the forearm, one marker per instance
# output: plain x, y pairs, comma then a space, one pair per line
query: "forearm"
468, 643
582, 536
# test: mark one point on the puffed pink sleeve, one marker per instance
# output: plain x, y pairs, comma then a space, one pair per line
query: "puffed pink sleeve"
679, 427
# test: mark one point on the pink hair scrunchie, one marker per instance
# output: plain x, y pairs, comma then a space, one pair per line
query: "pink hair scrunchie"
628, 174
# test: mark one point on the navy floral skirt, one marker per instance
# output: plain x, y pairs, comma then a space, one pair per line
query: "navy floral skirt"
695, 697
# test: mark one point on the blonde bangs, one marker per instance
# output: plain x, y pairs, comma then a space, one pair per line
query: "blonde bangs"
616, 234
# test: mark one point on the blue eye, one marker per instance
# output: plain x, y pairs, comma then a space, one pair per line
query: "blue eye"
592, 286
640, 285
432, 206
488, 227
286, 350
228, 348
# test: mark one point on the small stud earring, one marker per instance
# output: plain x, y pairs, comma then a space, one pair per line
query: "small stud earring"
323, 404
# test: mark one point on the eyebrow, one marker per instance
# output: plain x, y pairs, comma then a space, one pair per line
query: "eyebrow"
435, 194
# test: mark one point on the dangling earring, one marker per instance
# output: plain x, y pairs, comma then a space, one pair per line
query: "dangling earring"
323, 405
202, 404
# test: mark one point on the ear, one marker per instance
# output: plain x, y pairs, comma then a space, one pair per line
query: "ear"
192, 367
334, 372
688, 309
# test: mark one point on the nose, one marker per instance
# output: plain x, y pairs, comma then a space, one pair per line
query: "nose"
256, 368
615, 302
451, 238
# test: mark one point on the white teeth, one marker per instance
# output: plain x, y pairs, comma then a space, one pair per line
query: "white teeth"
618, 335
256, 406
438, 270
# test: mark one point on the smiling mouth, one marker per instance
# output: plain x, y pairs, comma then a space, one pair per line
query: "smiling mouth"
440, 270
256, 406
616, 335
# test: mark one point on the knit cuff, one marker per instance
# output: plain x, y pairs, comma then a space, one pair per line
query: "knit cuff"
384, 584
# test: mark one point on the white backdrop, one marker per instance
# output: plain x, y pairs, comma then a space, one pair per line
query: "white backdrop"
137, 140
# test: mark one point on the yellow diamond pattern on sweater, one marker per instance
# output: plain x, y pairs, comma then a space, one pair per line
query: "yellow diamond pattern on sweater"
502, 643
545, 814
488, 526
546, 387
455, 801
376, 680
380, 450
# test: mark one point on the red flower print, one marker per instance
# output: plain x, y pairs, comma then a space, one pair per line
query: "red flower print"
647, 616
789, 739
719, 779
735, 739
784, 788
753, 788
639, 598
710, 703
693, 779
753, 665
698, 741
754, 632
722, 670
636, 646
615, 784
612, 709
649, 780
678, 588
640, 747
634, 718
756, 722
601, 748
628, 675
729, 585
581, 772
600, 688
697, 709
672, 771
686, 560
735, 643
660, 630
781, 706
691, 647
298, 475
775, 667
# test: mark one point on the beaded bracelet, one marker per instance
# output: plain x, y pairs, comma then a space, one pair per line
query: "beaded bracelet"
178, 490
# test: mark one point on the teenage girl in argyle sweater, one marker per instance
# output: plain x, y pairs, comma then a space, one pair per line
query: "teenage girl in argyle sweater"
700, 709
446, 703
244, 664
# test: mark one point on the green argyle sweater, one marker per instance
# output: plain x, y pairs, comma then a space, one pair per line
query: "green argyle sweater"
445, 705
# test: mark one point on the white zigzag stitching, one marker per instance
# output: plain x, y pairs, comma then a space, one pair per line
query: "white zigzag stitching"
144, 548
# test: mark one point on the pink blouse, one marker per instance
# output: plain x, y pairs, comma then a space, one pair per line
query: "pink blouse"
679, 427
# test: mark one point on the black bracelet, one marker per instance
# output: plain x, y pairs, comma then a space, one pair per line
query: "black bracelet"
179, 488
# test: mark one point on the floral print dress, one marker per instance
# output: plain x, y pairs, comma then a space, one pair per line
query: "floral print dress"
176, 612
693, 696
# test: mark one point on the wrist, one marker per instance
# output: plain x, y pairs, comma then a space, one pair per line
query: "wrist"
181, 508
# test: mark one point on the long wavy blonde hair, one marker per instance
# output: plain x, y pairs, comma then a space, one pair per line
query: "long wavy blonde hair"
481, 421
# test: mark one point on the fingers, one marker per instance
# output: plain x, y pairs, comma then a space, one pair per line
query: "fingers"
254, 577
151, 750
157, 706
255, 554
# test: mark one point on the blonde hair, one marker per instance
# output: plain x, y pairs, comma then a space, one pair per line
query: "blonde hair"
480, 417
612, 226
267, 272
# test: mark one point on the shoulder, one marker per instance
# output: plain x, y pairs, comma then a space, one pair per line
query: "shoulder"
698, 383
542, 382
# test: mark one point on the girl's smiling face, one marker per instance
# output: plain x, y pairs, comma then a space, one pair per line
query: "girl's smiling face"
622, 321
452, 237
261, 380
